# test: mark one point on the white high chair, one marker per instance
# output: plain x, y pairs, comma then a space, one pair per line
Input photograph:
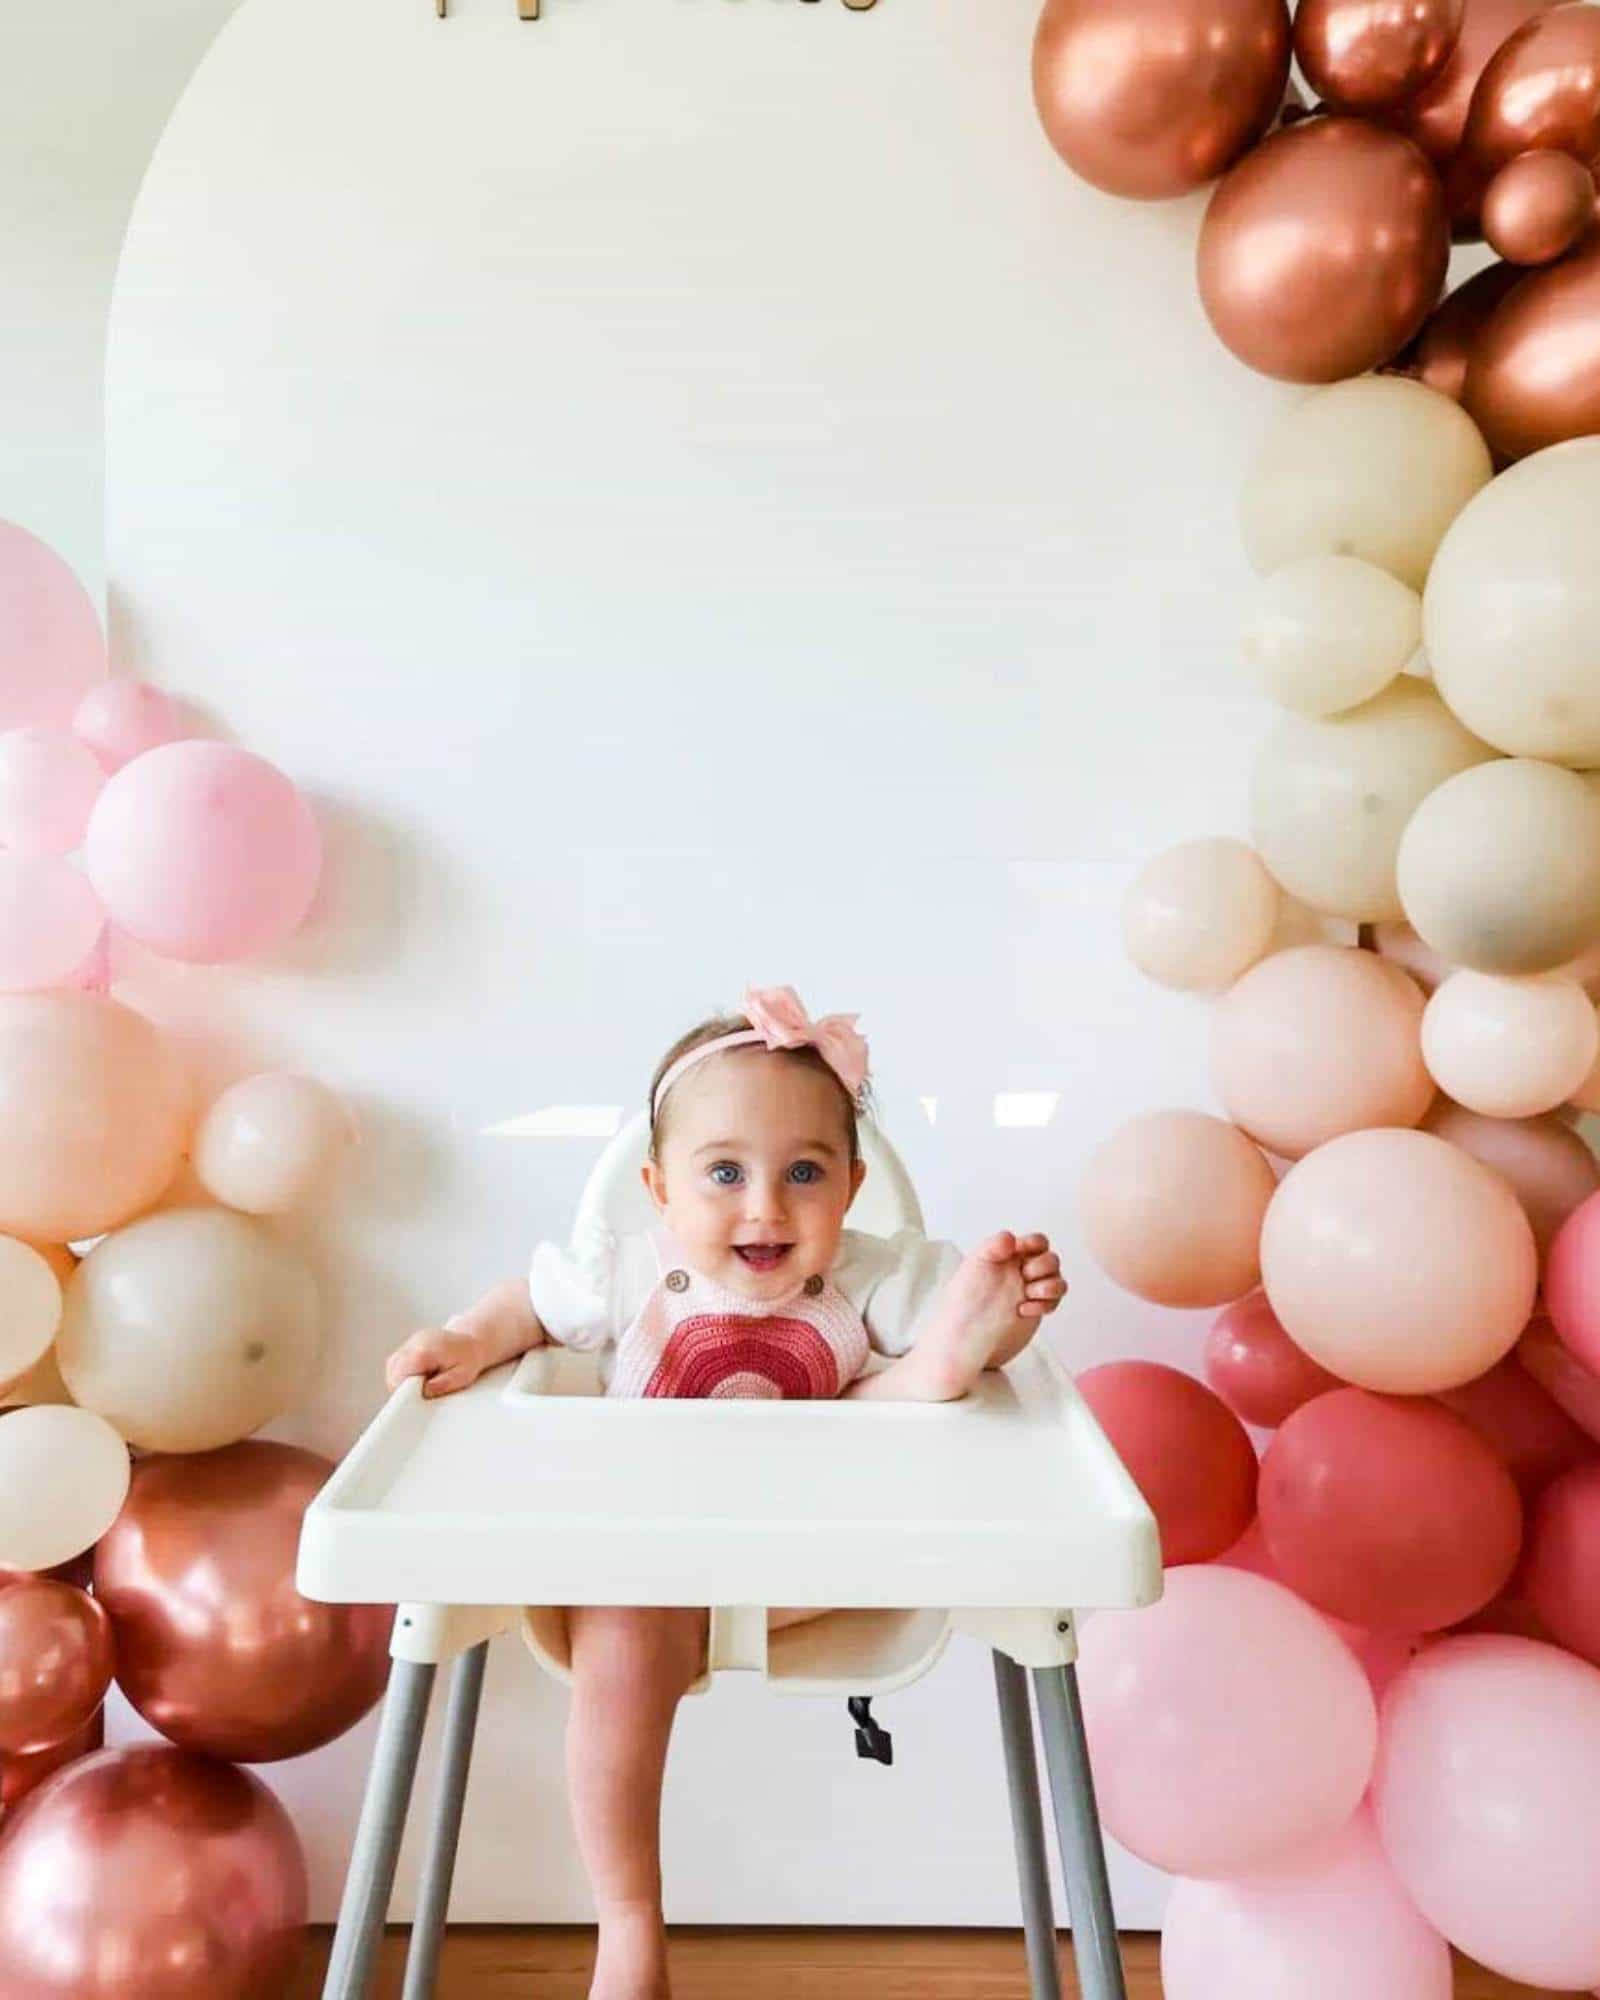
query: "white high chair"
998, 1516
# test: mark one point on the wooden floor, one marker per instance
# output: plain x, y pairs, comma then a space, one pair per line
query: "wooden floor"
489, 1963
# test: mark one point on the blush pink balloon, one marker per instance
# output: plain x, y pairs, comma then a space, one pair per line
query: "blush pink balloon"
1550, 1169
51, 645
1329, 1923
1184, 1449
1227, 1723
1572, 1283
1256, 1368
1563, 1378
121, 719
1487, 1792
49, 782
1561, 1572
1526, 1429
203, 852
50, 921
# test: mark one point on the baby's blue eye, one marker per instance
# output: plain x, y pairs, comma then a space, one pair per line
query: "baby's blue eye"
805, 1172
725, 1173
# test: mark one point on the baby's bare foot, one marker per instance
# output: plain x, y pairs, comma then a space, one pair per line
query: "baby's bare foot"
988, 1311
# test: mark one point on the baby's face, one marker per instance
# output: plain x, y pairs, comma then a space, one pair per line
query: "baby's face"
754, 1174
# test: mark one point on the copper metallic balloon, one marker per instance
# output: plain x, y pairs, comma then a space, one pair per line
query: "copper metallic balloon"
1365, 55
1436, 116
1541, 89
150, 1874
1150, 98
21, 1775
1534, 374
1322, 253
55, 1663
1537, 207
1438, 355
215, 1646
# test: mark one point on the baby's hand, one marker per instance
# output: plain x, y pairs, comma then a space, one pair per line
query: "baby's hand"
447, 1359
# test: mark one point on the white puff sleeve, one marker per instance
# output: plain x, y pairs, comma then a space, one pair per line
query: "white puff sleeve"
891, 1281
574, 1290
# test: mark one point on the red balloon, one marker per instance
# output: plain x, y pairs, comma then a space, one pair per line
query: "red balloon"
21, 1775
55, 1663
1256, 1368
1388, 1511
1185, 1450
215, 1646
1532, 1436
1561, 1569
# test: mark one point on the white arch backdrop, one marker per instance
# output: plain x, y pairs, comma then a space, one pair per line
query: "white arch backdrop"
696, 492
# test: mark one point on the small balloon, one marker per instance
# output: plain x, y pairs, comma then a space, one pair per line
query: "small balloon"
51, 645
1198, 915
1329, 632
63, 1479
1509, 1048
1537, 206
55, 1663
1533, 376
268, 1141
1439, 355
121, 719
1550, 1169
1187, 1453
1367, 55
1256, 1368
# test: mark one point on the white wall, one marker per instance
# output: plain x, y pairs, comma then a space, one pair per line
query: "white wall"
697, 493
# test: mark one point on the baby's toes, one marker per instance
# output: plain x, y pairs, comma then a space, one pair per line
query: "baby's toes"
999, 1249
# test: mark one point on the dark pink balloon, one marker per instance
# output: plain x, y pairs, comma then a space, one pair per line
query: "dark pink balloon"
1561, 1568
1572, 1283
1563, 1378
1256, 1368
1185, 1449
1531, 1435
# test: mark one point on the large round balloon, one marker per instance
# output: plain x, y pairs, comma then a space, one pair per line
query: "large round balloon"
51, 645
1329, 632
1324, 250
1330, 799
1533, 374
189, 1329
63, 1478
21, 1775
1511, 619
1398, 1262
1561, 1571
1550, 1169
1540, 89
1151, 98
1510, 1048
1436, 116
1438, 357
268, 1140
1526, 1429
1185, 1450
1377, 468
1572, 1283
151, 1874
1488, 1800
1197, 915
1256, 1368
55, 1663
1318, 1041
1171, 1206
1227, 1723
215, 1646
1367, 55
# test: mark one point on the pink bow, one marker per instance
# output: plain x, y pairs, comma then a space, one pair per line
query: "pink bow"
778, 1015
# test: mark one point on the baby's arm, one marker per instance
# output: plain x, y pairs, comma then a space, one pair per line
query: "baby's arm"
502, 1325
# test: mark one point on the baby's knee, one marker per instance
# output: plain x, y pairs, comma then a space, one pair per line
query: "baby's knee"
626, 1648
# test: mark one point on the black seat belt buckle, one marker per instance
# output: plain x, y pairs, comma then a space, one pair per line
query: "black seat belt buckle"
872, 1740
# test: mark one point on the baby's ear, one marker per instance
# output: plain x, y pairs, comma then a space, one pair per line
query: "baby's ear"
655, 1182
858, 1173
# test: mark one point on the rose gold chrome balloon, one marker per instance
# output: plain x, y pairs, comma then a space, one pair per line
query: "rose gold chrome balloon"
150, 1874
1537, 207
21, 1775
1150, 98
215, 1646
55, 1663
1436, 116
1534, 374
1438, 355
1540, 90
1365, 55
1322, 253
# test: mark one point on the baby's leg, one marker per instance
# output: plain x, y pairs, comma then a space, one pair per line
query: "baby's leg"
630, 1669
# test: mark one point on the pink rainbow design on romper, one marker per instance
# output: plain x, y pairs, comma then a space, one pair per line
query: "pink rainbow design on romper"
737, 1354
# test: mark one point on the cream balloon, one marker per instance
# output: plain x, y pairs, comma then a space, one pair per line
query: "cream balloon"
1398, 1262
189, 1329
1509, 1048
1376, 467
63, 1479
1329, 632
1319, 1041
1499, 868
1331, 798
1511, 614
267, 1142
30, 1307
1550, 1169
1199, 914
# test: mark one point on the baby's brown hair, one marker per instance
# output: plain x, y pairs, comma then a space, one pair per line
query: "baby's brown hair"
712, 1029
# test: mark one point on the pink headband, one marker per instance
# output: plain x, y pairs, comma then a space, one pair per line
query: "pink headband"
778, 1020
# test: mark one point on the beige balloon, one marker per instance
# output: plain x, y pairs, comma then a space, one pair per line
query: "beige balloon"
1171, 1206
1331, 798
268, 1142
1199, 914
63, 1479
1319, 1041
1509, 1048
1328, 632
189, 1330
1550, 1169
1512, 609
1376, 467
1499, 868
30, 1307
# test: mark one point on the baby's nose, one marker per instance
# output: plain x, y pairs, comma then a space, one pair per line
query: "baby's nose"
765, 1199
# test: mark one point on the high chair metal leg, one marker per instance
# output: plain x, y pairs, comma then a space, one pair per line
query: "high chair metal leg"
377, 1844
1027, 1827
433, 1896
1083, 1855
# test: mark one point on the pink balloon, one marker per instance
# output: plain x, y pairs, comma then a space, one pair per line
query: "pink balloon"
1549, 1167
203, 852
1256, 1368
1526, 1429
1488, 1801
49, 782
1227, 1723
50, 920
121, 719
51, 645
1184, 1449
1563, 1378
1331, 1923
1572, 1283
1381, 1654
1561, 1573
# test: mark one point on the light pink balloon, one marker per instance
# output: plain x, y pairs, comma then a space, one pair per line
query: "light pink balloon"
50, 920
51, 645
1398, 1262
1488, 1801
1227, 1723
1332, 1923
1381, 1654
203, 852
49, 782
121, 719
1549, 1167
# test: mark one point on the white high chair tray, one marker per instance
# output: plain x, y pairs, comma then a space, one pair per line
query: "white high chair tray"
529, 1488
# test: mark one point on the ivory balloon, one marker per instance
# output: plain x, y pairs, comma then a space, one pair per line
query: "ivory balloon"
1377, 468
1436, 116
51, 645
268, 1141
1366, 55
1550, 1169
1499, 867
1533, 376
189, 1329
1438, 356
1330, 799
1398, 1262
1199, 914
1328, 632
1171, 1206
30, 1307
63, 1479
55, 1663
1537, 206
1509, 1048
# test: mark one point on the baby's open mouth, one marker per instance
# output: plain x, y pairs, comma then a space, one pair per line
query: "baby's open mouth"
763, 1256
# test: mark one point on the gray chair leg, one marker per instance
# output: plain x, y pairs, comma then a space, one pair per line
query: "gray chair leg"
377, 1844
1083, 1856
1027, 1828
433, 1898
